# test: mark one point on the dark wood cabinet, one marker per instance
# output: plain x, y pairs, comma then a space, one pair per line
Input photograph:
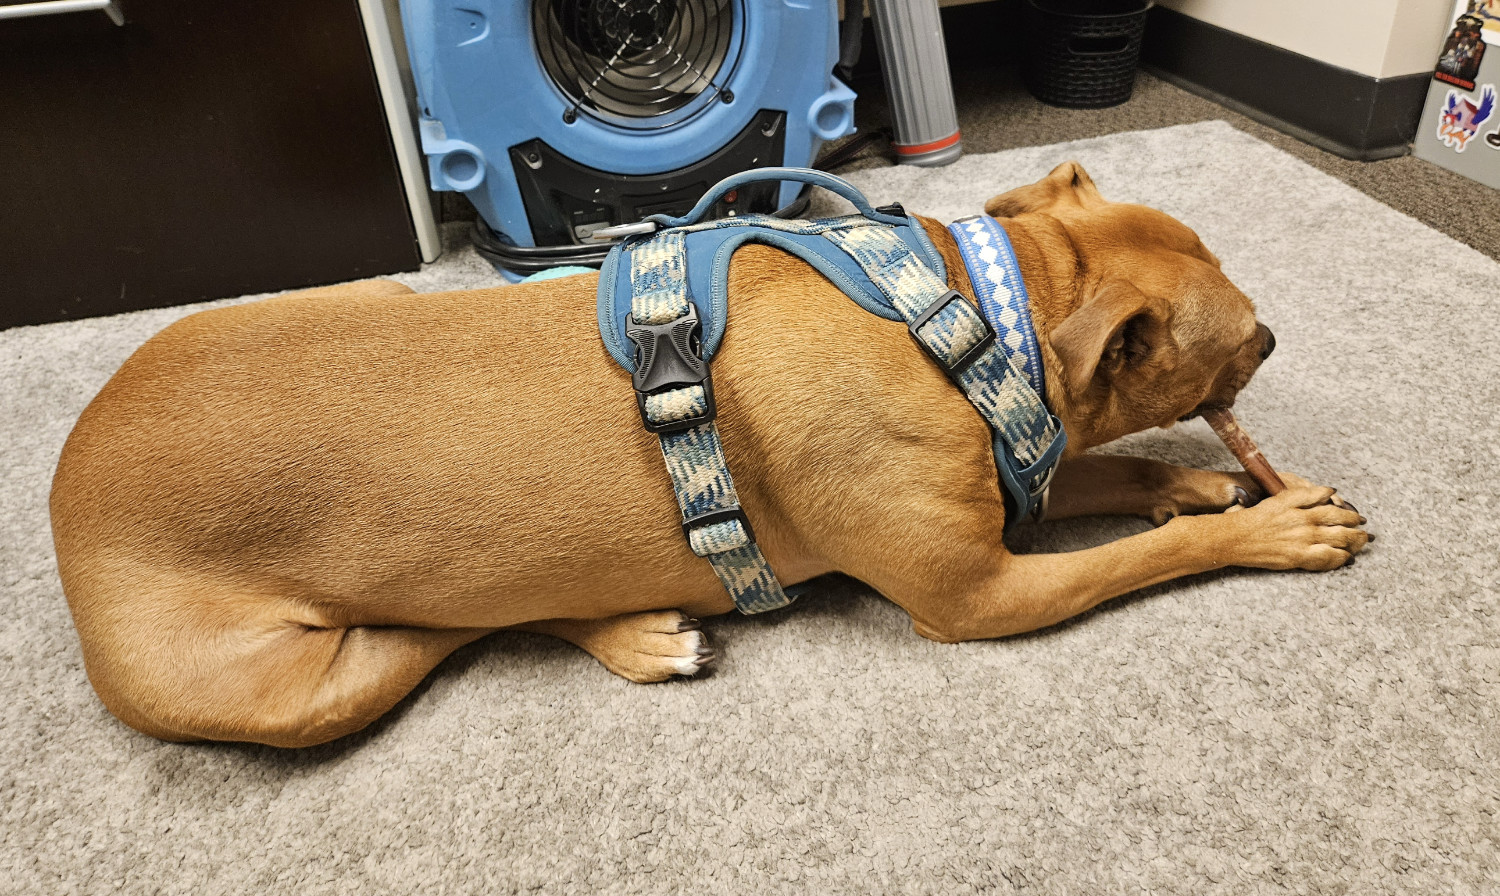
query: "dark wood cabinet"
201, 150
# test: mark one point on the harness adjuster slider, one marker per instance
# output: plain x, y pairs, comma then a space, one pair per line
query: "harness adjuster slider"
712, 517
1037, 478
669, 356
967, 359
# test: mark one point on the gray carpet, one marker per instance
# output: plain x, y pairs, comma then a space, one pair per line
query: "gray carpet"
1235, 733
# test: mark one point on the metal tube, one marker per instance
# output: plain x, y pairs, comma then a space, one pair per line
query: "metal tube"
914, 60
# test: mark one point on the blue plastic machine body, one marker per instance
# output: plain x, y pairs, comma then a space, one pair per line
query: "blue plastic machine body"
482, 89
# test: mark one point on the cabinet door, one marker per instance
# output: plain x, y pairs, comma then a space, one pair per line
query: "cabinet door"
201, 150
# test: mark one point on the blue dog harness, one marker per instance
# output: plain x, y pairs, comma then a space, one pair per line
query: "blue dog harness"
663, 306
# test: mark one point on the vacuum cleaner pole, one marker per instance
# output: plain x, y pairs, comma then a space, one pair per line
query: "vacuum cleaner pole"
915, 62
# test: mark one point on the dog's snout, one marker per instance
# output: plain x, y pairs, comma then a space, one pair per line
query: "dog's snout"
1267, 341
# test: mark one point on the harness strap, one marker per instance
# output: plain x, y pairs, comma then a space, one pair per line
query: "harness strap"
675, 393
709, 250
886, 263
956, 335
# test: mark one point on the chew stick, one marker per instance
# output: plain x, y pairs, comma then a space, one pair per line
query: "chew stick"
1243, 447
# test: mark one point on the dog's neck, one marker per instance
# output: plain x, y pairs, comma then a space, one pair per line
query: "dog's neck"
1049, 265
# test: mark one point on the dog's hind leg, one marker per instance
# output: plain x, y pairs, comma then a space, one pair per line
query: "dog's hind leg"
297, 686
642, 647
227, 665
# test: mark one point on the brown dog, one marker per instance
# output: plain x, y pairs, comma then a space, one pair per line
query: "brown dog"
277, 517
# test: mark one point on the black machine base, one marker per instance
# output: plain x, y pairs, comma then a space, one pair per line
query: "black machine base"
566, 201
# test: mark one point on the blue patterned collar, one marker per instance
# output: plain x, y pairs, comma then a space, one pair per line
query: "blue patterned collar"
996, 278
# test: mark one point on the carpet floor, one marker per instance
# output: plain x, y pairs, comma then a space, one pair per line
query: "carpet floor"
1240, 732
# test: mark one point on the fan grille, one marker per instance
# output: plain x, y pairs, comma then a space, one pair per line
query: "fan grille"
636, 62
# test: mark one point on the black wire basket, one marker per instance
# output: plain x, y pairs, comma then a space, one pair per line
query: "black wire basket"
1083, 54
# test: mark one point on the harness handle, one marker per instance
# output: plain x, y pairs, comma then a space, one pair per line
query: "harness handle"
822, 179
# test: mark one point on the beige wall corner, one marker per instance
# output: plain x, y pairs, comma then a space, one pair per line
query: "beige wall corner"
1417, 36
1378, 38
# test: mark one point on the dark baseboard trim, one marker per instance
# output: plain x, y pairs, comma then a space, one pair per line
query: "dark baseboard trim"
1344, 112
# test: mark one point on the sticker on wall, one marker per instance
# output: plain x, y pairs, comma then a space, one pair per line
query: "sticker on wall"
1462, 54
1493, 139
1489, 11
1462, 117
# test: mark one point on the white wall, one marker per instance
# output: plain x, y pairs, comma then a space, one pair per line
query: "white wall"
1417, 35
1379, 38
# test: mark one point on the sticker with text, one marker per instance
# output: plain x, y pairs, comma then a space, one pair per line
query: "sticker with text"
1462, 117
1463, 53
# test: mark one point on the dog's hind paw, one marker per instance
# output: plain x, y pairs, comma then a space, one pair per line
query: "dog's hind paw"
643, 647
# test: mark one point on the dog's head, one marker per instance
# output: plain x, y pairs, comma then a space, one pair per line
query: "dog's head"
1139, 327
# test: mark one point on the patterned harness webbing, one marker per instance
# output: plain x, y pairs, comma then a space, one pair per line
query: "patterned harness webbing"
675, 392
716, 527
957, 335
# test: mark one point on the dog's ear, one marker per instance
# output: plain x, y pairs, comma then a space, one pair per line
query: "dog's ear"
1068, 183
1116, 329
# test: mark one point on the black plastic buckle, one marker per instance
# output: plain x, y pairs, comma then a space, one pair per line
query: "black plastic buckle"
968, 357
718, 516
668, 356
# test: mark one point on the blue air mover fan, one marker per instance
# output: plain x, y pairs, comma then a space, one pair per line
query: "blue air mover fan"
560, 117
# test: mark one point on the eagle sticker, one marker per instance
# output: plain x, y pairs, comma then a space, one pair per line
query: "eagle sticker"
1462, 117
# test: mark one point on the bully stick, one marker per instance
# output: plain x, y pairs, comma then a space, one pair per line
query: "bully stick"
1239, 442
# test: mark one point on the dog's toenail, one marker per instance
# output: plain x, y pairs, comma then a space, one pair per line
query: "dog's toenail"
688, 624
705, 650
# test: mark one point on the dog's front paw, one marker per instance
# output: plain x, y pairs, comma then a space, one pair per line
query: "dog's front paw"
1304, 527
1203, 491
1292, 480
